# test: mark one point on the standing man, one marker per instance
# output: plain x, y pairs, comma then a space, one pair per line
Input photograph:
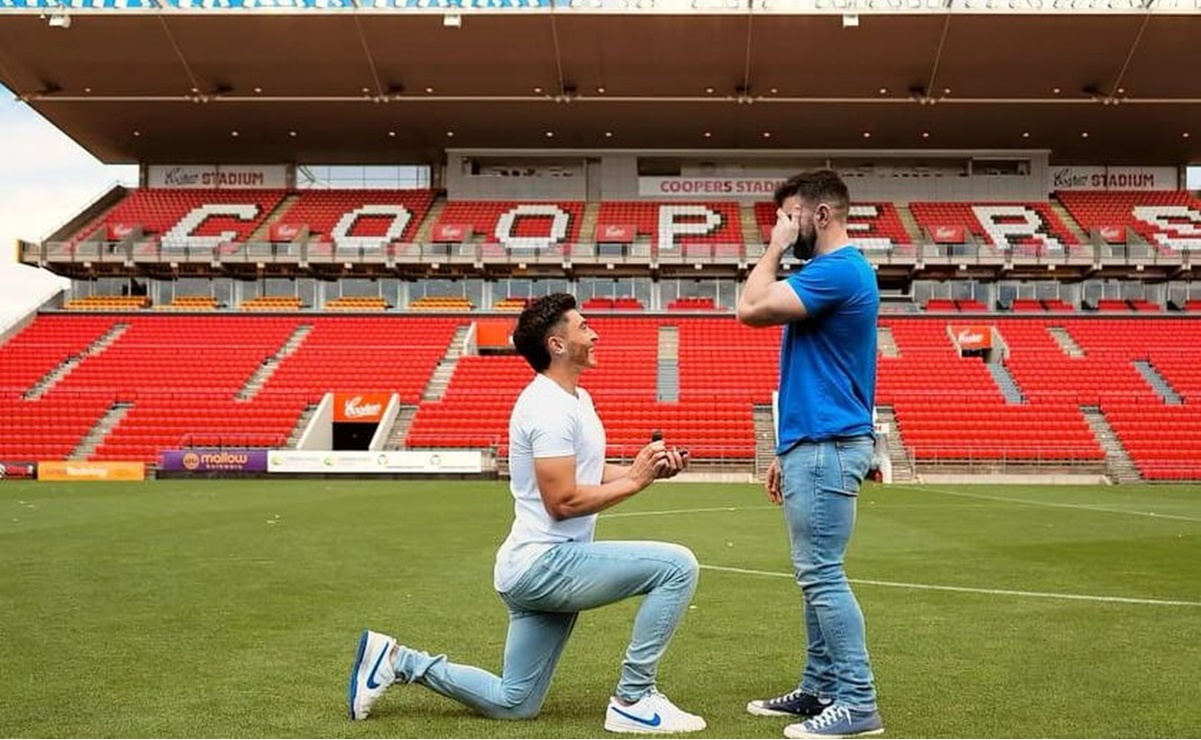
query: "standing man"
824, 441
550, 569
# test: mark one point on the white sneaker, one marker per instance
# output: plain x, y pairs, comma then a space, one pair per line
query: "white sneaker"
371, 673
652, 714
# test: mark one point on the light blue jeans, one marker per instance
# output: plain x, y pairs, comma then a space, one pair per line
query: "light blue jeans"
821, 486
543, 606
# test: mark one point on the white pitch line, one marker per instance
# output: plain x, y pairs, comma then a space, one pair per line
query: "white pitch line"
1055, 505
965, 589
666, 512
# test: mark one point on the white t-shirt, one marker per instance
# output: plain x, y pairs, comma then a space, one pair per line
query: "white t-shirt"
547, 421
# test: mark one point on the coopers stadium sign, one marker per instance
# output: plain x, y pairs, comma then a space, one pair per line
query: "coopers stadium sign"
760, 188
219, 177
1114, 178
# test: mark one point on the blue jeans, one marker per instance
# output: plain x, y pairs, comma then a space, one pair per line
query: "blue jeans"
543, 606
821, 486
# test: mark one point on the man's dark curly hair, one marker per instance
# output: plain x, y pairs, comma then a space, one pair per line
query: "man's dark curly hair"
535, 324
818, 186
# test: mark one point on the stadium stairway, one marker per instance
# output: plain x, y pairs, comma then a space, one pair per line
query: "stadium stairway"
265, 371
668, 380
87, 446
1162, 388
750, 227
1005, 383
1065, 341
264, 230
1118, 465
910, 223
427, 225
400, 427
44, 386
886, 343
588, 220
302, 423
898, 455
765, 439
445, 369
1069, 222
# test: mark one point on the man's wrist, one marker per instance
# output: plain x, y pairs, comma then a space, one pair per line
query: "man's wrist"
775, 250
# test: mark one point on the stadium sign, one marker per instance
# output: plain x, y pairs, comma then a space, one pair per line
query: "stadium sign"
214, 460
217, 177
360, 408
70, 470
11, 470
760, 188
378, 463
972, 336
1114, 178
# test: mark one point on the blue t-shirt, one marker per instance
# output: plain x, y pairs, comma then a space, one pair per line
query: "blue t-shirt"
828, 361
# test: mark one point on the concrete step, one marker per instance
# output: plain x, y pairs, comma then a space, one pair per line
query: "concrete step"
264, 372
64, 368
912, 228
444, 372
886, 342
1118, 464
1065, 341
95, 436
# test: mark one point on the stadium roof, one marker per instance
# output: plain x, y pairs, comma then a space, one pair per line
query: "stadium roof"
360, 86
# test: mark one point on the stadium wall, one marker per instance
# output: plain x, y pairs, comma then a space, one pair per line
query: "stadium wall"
922, 176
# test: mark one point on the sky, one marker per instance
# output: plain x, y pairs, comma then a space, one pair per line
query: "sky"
45, 178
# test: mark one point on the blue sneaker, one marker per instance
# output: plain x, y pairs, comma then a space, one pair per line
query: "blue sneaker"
371, 673
838, 721
793, 704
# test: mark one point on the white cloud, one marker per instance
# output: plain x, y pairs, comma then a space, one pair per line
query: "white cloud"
45, 178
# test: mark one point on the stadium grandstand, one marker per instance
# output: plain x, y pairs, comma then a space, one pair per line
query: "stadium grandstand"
342, 229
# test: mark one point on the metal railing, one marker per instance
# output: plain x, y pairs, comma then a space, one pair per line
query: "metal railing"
151, 251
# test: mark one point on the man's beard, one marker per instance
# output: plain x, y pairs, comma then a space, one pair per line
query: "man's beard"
804, 246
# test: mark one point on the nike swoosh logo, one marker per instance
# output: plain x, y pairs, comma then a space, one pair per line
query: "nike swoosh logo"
371, 683
654, 721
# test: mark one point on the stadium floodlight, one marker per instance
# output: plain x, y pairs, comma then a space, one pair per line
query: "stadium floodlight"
850, 20
59, 20
452, 20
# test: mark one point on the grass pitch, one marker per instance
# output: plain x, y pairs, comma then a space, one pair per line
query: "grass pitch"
233, 608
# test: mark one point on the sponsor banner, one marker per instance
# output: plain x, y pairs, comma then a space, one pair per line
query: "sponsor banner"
212, 176
18, 470
1113, 234
973, 336
494, 335
281, 232
59, 470
947, 234
619, 233
118, 231
762, 188
360, 407
451, 232
1114, 178
380, 462
201, 460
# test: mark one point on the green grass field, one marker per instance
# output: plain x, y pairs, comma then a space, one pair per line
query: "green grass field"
233, 608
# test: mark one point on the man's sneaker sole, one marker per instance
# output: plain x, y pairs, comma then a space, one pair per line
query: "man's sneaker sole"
352, 691
789, 732
634, 728
757, 709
